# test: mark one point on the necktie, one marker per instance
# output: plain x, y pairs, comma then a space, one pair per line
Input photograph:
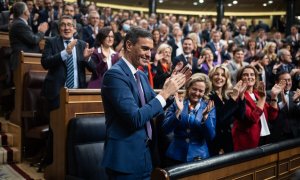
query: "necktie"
70, 70
142, 98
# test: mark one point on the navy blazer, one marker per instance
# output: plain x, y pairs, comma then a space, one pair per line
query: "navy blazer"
190, 136
177, 59
57, 70
87, 35
224, 55
126, 148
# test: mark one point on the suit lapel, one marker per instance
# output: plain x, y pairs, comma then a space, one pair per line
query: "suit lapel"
132, 81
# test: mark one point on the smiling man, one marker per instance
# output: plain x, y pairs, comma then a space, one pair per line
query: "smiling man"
65, 58
130, 104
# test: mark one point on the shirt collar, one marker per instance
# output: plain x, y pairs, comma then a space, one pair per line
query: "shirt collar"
131, 67
24, 20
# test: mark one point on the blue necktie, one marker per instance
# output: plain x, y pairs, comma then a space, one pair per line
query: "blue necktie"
142, 98
70, 70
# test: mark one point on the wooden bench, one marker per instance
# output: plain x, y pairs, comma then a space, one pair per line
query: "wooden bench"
273, 161
73, 103
28, 61
4, 39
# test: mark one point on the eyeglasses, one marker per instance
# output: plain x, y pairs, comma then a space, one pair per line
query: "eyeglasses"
66, 25
110, 36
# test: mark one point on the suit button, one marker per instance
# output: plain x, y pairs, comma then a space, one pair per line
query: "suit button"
187, 140
188, 130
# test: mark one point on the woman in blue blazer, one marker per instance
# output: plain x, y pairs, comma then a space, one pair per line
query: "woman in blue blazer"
193, 122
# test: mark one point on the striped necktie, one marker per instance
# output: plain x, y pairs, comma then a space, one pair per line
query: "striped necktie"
70, 70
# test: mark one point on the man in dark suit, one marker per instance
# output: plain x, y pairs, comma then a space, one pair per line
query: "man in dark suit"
65, 58
130, 104
288, 125
21, 36
90, 31
187, 56
68, 9
54, 59
218, 49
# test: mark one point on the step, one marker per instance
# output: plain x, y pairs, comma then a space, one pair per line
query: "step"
6, 139
3, 125
9, 155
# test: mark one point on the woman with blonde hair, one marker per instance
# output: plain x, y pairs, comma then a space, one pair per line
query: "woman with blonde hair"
197, 44
228, 102
192, 120
270, 51
161, 66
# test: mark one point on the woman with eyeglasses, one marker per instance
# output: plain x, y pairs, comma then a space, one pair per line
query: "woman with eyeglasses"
103, 56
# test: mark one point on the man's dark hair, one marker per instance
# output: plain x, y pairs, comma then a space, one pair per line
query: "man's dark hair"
238, 49
18, 9
67, 17
279, 73
134, 34
102, 34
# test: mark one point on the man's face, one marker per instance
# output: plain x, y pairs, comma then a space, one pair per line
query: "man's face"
216, 37
69, 10
29, 5
286, 78
294, 30
48, 4
94, 19
286, 57
140, 53
187, 46
243, 30
67, 28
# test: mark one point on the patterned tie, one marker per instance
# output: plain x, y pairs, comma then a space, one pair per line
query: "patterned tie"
70, 70
142, 98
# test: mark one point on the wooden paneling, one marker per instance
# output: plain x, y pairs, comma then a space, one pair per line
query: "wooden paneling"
73, 103
28, 62
4, 39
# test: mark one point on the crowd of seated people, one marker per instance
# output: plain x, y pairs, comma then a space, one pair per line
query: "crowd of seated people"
249, 75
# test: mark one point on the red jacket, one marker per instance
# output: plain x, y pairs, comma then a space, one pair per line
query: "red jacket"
246, 131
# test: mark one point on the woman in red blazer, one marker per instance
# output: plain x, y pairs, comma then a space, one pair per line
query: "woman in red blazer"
251, 130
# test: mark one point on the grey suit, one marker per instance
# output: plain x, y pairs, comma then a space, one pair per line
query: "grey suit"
22, 39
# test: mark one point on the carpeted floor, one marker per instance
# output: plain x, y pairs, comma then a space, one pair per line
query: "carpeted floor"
12, 172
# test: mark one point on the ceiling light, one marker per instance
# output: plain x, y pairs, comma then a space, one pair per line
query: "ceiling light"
234, 2
161, 1
201, 1
229, 4
195, 3
265, 4
270, 2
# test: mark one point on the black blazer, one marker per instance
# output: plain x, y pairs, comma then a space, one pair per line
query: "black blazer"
22, 39
57, 70
224, 120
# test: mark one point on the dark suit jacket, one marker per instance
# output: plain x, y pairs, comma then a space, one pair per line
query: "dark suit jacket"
181, 57
22, 39
288, 121
87, 33
57, 70
224, 55
126, 149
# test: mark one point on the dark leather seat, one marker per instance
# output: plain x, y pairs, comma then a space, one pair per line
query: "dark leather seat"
85, 145
34, 124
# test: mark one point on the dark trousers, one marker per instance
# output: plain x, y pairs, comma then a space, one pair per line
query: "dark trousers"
115, 175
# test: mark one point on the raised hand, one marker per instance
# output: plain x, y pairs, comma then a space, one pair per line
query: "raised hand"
70, 46
296, 95
261, 89
278, 88
179, 102
178, 67
87, 52
208, 108
200, 60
